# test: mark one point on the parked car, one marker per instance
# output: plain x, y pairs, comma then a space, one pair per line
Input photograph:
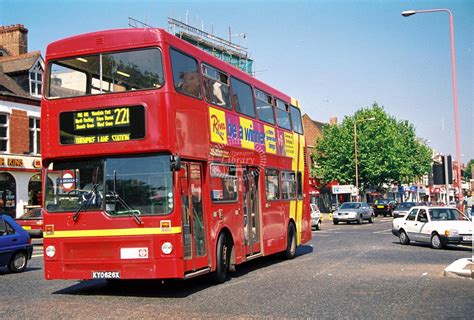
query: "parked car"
402, 209
353, 211
383, 206
438, 226
32, 222
15, 244
315, 217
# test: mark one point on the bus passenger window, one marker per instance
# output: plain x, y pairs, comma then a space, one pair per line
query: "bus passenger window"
242, 98
223, 183
283, 117
216, 87
272, 184
264, 107
185, 74
296, 120
288, 185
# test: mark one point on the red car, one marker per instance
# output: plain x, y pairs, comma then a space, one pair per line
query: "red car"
32, 222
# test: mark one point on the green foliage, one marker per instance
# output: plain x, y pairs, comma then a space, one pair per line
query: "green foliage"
468, 172
388, 150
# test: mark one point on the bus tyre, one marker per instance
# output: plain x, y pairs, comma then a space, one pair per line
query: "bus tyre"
18, 262
290, 251
222, 259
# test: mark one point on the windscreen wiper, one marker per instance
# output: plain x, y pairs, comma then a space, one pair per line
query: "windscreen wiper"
131, 212
85, 204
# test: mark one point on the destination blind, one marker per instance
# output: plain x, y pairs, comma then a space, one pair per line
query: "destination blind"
102, 125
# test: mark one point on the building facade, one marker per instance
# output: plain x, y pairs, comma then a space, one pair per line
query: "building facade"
21, 75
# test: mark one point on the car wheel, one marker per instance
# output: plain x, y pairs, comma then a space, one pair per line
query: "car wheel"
335, 222
318, 225
384, 215
222, 259
18, 262
436, 242
403, 237
290, 251
371, 219
376, 214
360, 220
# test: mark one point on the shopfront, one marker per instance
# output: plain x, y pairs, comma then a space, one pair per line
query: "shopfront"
20, 184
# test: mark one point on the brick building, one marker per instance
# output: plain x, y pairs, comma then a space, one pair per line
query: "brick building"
321, 195
21, 74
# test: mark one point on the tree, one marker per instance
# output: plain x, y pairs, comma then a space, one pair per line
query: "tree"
468, 171
388, 150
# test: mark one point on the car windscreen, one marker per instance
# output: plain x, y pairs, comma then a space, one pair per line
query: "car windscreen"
406, 205
350, 205
381, 201
441, 214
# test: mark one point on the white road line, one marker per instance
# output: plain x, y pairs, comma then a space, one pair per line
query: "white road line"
382, 231
37, 255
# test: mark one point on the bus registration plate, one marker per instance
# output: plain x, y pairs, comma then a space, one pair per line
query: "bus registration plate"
105, 275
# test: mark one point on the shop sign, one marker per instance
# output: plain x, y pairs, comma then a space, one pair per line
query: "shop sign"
341, 189
20, 162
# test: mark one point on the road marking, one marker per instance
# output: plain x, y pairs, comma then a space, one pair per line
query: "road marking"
382, 231
37, 255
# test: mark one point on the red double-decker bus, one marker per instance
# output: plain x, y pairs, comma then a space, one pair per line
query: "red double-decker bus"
161, 161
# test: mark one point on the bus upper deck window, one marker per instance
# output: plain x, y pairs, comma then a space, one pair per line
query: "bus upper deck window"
105, 73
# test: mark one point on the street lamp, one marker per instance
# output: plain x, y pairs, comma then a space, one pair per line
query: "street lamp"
355, 152
453, 64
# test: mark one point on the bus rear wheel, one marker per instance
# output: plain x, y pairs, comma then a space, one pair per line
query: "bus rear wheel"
290, 251
222, 259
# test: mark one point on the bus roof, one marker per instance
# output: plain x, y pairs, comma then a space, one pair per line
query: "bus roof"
119, 39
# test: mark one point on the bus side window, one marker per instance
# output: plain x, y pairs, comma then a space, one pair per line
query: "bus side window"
242, 98
272, 184
216, 87
296, 120
185, 74
283, 117
264, 106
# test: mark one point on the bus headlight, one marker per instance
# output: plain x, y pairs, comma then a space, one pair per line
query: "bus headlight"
50, 251
167, 247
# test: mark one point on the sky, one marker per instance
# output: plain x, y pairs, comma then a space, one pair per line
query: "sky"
335, 57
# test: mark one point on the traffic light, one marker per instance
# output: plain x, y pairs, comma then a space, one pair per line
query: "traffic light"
439, 175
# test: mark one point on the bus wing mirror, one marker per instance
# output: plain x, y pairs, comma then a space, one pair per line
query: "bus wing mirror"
175, 163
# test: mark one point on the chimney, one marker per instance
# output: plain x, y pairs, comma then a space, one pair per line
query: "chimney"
14, 39
333, 120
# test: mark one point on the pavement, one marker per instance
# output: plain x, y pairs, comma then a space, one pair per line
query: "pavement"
461, 268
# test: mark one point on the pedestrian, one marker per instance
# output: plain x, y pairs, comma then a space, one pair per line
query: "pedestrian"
469, 204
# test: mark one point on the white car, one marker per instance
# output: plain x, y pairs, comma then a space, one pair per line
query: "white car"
315, 217
438, 226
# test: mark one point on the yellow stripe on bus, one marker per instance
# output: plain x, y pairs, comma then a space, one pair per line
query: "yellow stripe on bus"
111, 232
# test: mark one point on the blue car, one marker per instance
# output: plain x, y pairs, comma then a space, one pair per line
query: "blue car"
15, 245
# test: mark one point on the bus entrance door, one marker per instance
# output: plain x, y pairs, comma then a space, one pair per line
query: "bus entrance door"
251, 210
194, 239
